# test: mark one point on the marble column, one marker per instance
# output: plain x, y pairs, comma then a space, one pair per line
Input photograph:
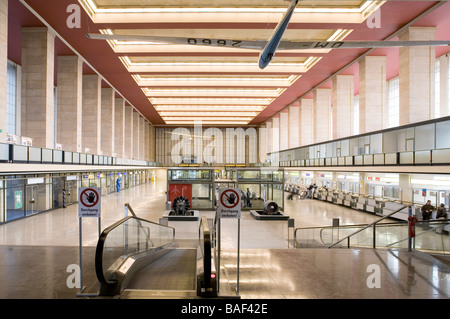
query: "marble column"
152, 144
306, 116
38, 59
372, 94
276, 138
69, 106
128, 126
91, 114
321, 115
119, 127
262, 146
108, 121
3, 67
284, 130
343, 94
294, 127
416, 77
443, 86
141, 139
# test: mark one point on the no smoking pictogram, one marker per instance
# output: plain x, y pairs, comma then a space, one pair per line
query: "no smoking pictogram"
229, 198
89, 197
229, 203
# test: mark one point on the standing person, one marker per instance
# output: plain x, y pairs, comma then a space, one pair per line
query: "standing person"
427, 209
118, 184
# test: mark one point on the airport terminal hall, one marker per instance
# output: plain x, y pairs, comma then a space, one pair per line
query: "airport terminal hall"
224, 155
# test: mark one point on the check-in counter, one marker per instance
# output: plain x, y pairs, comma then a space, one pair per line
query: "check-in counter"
354, 202
339, 199
348, 199
330, 196
361, 204
324, 195
371, 205
380, 205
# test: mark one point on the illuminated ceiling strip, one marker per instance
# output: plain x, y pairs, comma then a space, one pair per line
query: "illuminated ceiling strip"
212, 101
207, 122
225, 108
128, 63
216, 114
213, 92
215, 81
187, 118
90, 4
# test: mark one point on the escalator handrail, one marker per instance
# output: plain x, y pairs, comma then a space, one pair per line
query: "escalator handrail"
101, 244
207, 269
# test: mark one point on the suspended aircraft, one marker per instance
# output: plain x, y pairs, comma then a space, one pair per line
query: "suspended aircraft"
275, 42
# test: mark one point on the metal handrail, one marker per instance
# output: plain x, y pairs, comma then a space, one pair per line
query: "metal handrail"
369, 225
206, 285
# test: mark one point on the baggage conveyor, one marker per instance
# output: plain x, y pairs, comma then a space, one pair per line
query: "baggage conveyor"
136, 259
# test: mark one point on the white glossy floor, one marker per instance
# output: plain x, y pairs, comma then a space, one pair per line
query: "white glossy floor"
269, 266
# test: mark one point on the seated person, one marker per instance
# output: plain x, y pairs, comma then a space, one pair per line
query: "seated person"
427, 209
441, 212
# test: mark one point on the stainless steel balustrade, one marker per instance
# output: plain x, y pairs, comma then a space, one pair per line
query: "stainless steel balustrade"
431, 236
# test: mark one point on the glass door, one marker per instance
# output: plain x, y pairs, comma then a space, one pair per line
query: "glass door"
31, 193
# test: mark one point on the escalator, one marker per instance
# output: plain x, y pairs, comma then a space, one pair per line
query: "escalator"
136, 259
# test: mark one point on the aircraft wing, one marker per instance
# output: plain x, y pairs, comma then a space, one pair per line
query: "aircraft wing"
258, 45
255, 45
288, 45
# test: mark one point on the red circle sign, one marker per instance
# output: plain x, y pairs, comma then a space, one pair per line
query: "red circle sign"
89, 197
229, 198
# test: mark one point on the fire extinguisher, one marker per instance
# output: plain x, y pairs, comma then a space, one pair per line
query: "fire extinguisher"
412, 225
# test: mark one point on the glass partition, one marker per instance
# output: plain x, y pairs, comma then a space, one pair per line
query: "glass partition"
196, 184
258, 185
129, 237
426, 142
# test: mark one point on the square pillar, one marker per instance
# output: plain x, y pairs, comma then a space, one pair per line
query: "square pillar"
343, 95
69, 106
91, 114
128, 127
141, 138
321, 115
38, 59
416, 77
269, 136
262, 132
443, 86
284, 130
108, 121
3, 67
372, 94
152, 144
119, 127
136, 136
306, 116
294, 127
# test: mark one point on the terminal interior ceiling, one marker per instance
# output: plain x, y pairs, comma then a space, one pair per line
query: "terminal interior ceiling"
156, 79
325, 147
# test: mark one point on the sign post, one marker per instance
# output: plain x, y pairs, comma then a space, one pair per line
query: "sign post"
229, 206
89, 206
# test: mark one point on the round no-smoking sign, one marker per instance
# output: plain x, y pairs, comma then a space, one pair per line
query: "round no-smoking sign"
89, 197
229, 203
89, 204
